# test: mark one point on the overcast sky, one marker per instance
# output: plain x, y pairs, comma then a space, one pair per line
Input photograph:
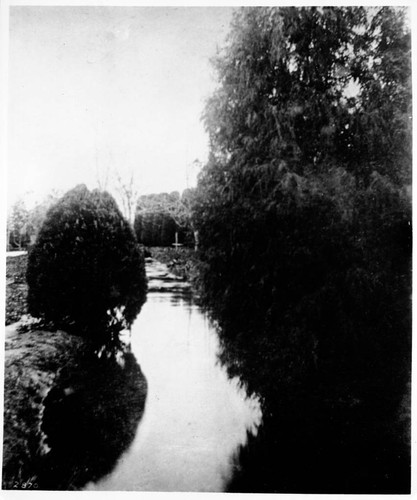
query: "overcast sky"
98, 89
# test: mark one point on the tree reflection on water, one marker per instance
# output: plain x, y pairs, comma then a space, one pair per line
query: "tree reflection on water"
312, 440
90, 418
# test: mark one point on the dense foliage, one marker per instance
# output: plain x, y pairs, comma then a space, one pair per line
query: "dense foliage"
86, 271
303, 210
163, 219
155, 229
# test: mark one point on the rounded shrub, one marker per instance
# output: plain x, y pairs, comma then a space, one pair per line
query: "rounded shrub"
86, 272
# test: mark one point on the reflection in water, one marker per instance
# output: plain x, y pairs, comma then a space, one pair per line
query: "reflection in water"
319, 452
90, 418
195, 416
180, 299
310, 441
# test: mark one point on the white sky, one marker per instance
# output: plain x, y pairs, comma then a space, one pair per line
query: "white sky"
94, 89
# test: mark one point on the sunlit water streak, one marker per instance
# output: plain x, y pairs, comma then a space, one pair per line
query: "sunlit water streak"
195, 416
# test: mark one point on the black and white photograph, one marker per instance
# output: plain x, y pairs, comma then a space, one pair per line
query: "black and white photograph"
207, 241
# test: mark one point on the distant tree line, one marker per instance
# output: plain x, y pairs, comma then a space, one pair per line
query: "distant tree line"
23, 224
161, 219
18, 236
164, 219
155, 229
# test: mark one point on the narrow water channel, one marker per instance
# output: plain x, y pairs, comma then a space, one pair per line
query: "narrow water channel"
195, 417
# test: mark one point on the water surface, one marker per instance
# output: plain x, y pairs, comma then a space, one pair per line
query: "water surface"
195, 417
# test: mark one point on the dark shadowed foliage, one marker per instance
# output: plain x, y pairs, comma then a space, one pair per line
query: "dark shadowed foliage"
86, 272
304, 220
155, 229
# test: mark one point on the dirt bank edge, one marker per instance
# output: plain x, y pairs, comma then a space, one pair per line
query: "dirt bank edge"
33, 360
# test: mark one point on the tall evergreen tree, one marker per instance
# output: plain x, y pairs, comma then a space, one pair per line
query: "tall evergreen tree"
303, 85
303, 208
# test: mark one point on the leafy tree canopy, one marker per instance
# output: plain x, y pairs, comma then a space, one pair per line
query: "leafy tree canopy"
312, 87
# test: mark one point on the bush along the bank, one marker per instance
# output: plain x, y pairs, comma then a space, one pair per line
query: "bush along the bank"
86, 272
